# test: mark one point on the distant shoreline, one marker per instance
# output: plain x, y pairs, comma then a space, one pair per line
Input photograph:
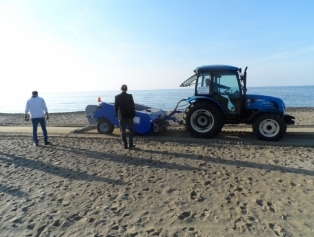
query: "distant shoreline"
288, 109
56, 113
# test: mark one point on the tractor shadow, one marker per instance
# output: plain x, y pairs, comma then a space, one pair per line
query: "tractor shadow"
238, 135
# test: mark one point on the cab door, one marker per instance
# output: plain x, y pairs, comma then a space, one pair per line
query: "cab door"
203, 84
226, 90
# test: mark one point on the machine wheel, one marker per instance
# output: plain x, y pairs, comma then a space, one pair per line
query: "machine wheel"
269, 127
204, 120
104, 126
156, 128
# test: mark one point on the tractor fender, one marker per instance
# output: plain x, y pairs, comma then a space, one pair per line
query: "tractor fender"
204, 98
258, 113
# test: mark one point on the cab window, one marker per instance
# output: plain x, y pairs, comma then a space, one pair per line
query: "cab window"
203, 84
225, 84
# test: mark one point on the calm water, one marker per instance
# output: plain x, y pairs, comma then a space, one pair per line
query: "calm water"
294, 96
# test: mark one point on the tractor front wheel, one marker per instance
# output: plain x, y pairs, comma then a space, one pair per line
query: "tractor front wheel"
203, 119
269, 127
104, 126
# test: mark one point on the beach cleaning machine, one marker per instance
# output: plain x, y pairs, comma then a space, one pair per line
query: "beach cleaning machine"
147, 120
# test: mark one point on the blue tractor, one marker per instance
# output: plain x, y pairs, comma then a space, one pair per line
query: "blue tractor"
220, 98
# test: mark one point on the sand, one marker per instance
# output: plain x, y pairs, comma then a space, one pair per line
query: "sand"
85, 184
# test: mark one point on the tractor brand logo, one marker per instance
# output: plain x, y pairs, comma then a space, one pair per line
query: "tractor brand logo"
248, 100
266, 103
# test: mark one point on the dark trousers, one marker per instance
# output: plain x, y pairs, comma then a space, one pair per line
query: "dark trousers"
123, 122
42, 123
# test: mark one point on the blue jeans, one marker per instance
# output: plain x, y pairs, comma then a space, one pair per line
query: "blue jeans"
42, 123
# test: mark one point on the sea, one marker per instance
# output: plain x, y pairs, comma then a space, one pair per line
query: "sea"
165, 99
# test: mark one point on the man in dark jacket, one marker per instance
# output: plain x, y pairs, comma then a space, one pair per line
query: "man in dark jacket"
125, 112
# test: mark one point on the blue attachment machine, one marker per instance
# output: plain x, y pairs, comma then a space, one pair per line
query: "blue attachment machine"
147, 120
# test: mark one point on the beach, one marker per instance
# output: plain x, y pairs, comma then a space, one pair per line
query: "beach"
171, 184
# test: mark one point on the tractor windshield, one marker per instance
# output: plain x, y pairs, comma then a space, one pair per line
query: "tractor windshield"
189, 81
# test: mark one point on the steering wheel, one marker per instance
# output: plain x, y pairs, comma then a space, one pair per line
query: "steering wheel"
226, 92
234, 95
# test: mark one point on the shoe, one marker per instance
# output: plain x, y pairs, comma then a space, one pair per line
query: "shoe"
125, 147
47, 143
132, 146
35, 144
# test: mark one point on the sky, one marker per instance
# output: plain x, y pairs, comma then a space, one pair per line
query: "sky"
98, 45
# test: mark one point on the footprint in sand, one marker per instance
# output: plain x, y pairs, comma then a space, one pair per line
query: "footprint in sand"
204, 214
153, 232
243, 208
193, 195
279, 231
267, 205
184, 215
31, 226
242, 226
57, 223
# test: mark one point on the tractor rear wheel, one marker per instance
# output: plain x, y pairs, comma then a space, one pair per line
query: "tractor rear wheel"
203, 119
269, 127
104, 126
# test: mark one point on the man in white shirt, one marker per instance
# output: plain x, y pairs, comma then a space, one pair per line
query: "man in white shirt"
38, 111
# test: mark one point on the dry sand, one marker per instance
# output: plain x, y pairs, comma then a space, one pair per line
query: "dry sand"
85, 184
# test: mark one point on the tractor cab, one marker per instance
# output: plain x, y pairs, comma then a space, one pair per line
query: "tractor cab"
224, 85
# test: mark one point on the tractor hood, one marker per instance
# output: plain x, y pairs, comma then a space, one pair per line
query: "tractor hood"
264, 102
